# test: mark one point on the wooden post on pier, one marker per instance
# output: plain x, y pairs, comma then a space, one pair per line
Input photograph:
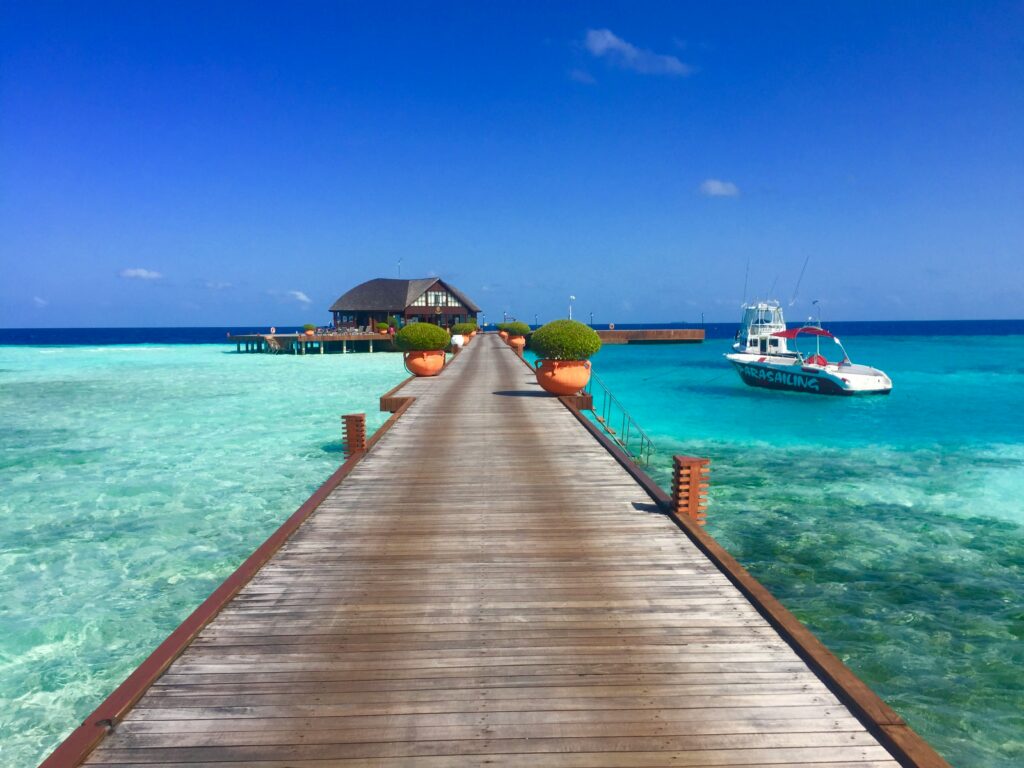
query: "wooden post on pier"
689, 487
355, 433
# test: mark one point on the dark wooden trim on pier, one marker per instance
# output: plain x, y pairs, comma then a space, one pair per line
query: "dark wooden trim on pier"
905, 744
105, 718
544, 603
391, 401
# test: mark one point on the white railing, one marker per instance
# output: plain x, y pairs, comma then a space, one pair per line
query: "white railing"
616, 421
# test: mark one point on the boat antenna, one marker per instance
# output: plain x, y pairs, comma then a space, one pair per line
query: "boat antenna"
771, 291
799, 280
816, 304
746, 274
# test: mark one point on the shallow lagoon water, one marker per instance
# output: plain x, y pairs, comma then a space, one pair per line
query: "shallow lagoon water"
135, 479
893, 526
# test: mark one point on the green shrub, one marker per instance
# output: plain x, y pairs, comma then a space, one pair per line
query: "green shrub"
393, 322
565, 340
517, 329
422, 337
382, 326
309, 327
463, 328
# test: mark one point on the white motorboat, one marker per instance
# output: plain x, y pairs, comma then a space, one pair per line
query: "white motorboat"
763, 358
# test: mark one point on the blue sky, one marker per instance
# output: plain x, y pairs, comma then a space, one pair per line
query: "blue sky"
222, 164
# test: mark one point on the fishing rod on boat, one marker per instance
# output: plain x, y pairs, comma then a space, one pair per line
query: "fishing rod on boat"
796, 290
746, 274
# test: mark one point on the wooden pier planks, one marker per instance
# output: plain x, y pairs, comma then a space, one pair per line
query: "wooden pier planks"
489, 586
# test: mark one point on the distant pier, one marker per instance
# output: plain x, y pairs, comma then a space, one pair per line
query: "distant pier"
341, 343
653, 336
491, 580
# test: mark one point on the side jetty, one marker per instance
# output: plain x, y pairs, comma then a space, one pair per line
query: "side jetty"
652, 336
491, 581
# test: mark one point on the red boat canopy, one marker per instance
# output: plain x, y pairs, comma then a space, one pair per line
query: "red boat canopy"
810, 330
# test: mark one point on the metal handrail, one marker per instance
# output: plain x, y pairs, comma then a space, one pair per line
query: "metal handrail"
610, 413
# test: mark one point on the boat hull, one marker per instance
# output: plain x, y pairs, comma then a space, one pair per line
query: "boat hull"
811, 380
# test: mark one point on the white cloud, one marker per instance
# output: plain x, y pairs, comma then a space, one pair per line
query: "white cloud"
718, 188
300, 297
581, 76
39, 302
603, 43
140, 274
215, 285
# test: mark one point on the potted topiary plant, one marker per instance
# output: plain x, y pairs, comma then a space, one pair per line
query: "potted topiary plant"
564, 349
424, 345
465, 330
517, 333
502, 332
382, 328
309, 329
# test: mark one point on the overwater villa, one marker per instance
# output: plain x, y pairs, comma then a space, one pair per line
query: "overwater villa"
428, 299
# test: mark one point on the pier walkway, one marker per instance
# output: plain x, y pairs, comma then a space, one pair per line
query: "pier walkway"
490, 586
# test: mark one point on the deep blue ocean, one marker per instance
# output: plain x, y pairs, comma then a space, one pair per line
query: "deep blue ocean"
214, 335
138, 467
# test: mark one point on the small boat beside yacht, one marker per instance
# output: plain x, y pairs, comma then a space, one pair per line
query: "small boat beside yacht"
765, 354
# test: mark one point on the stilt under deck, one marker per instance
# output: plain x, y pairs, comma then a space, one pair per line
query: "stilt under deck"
489, 586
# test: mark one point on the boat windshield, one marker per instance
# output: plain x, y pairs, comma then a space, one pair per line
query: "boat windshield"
819, 349
759, 318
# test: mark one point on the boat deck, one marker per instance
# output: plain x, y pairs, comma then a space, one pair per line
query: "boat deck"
489, 586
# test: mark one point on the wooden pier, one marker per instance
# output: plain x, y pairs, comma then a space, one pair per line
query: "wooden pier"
491, 583
317, 344
652, 336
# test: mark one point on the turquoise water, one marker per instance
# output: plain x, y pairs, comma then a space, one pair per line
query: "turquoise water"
134, 480
893, 526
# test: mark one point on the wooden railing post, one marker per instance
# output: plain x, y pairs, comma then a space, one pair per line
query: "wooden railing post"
689, 487
355, 433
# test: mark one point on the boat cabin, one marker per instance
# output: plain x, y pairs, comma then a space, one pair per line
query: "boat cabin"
756, 335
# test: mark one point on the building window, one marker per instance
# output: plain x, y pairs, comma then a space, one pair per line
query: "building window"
436, 299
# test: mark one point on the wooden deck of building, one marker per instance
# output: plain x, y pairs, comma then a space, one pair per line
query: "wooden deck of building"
319, 343
489, 585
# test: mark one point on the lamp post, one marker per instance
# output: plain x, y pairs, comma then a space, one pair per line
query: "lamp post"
535, 320
571, 300
591, 318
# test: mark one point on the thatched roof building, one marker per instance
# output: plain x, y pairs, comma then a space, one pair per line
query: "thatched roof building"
428, 299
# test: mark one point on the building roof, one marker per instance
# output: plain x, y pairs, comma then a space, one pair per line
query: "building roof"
386, 294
